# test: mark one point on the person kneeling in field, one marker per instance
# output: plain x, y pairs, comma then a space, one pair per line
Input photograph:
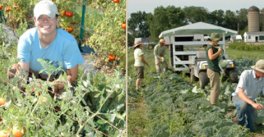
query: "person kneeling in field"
250, 86
48, 43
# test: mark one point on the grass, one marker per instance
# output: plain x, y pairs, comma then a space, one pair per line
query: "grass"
241, 54
241, 50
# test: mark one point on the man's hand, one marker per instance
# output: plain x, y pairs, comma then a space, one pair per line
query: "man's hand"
258, 106
58, 87
161, 59
220, 50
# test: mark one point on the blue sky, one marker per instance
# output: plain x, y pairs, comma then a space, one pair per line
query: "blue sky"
210, 5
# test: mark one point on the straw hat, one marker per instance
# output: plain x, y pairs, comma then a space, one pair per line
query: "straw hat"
215, 37
137, 43
259, 66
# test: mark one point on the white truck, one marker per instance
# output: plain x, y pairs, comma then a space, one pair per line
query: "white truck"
187, 51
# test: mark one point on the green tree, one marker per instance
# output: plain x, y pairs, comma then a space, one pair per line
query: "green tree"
216, 17
242, 20
164, 19
130, 39
195, 14
230, 20
138, 24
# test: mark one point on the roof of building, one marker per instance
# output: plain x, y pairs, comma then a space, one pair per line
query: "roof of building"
197, 28
253, 8
254, 33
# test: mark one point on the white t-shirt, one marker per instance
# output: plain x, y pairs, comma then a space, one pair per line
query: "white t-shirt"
252, 86
137, 54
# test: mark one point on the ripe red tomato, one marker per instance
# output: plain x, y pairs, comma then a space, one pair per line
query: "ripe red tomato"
2, 101
1, 7
69, 29
8, 8
123, 25
68, 13
116, 1
111, 57
17, 132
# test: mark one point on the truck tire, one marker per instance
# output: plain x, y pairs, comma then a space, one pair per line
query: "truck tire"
203, 79
192, 76
233, 76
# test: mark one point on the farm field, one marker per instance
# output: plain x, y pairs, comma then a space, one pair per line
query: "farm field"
170, 105
95, 107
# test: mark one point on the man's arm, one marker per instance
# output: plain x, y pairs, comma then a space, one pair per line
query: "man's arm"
213, 56
72, 74
241, 94
23, 68
156, 52
143, 60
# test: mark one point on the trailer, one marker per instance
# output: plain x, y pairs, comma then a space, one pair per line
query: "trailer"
188, 54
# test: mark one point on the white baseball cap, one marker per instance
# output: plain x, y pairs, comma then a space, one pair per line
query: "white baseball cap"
45, 7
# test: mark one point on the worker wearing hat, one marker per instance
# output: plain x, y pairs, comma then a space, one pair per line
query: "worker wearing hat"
250, 86
213, 54
159, 55
48, 43
139, 64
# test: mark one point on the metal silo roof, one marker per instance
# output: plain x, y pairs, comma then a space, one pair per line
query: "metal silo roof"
253, 8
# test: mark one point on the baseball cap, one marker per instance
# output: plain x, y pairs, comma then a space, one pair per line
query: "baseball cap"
45, 7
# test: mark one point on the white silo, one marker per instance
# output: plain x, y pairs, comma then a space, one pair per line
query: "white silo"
261, 18
253, 19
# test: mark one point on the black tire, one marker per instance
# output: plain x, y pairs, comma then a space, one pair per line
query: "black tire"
192, 76
233, 76
203, 79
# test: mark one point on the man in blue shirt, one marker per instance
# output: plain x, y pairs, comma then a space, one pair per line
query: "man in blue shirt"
48, 43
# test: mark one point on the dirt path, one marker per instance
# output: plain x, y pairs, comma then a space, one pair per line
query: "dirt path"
137, 120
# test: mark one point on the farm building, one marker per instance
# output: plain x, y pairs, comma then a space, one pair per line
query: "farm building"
236, 38
255, 25
254, 36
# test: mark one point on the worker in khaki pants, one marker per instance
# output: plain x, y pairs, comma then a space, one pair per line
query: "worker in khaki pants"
213, 53
159, 53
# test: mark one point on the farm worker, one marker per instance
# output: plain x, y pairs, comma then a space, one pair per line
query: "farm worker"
49, 43
139, 63
159, 54
250, 86
213, 54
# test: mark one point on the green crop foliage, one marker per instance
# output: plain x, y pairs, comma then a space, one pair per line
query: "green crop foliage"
169, 105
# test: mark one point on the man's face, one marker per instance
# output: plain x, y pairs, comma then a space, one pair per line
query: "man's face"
45, 24
259, 74
214, 42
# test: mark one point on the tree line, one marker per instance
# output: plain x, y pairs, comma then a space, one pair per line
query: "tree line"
142, 24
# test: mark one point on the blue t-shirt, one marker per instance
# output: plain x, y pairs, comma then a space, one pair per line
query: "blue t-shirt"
63, 51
